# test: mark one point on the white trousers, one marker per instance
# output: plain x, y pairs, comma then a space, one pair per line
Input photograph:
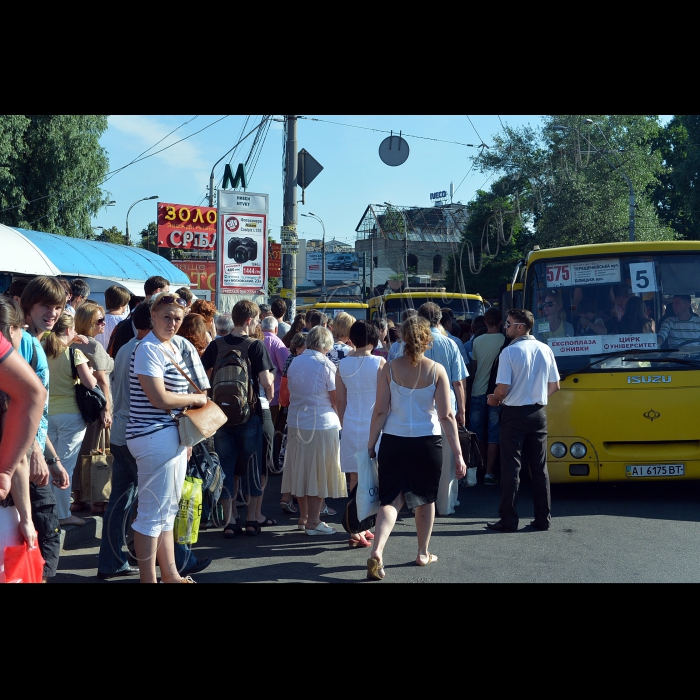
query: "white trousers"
66, 432
162, 466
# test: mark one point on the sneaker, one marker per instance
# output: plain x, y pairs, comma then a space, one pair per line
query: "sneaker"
490, 480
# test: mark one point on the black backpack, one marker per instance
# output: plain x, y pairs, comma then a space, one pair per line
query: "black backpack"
231, 384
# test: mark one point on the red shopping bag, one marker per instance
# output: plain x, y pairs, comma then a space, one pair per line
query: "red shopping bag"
23, 565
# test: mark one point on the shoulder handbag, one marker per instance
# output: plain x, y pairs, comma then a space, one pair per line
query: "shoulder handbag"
96, 471
196, 424
350, 521
91, 402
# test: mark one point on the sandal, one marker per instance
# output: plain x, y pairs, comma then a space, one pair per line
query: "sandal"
375, 570
255, 525
431, 560
369, 535
328, 511
288, 507
231, 530
267, 522
362, 542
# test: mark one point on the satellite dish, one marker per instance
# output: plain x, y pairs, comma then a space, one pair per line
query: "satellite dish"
393, 150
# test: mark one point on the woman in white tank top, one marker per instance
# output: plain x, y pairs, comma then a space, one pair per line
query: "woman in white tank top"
413, 402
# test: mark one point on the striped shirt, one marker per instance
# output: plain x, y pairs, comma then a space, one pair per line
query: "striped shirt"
678, 331
148, 359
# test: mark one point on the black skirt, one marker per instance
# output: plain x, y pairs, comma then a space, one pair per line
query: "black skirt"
409, 464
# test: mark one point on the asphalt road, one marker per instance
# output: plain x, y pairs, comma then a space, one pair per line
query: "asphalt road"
601, 533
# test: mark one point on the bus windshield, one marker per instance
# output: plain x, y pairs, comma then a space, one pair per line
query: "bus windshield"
463, 309
618, 312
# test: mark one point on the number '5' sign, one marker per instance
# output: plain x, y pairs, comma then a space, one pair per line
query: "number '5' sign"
642, 277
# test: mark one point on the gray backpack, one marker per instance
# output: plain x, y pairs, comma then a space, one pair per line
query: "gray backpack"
232, 387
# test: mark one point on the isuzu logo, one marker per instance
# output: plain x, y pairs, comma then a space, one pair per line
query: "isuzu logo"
650, 379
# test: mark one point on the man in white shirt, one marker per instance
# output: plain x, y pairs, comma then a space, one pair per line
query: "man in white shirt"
683, 326
527, 377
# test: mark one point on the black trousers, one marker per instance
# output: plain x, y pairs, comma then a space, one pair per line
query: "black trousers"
48, 530
524, 433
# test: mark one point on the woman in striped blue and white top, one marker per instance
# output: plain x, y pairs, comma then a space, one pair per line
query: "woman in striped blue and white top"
157, 389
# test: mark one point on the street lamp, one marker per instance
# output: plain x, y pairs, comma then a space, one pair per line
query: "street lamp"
145, 199
405, 244
560, 127
311, 215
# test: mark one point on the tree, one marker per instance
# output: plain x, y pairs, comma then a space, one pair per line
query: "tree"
572, 180
111, 235
51, 168
678, 192
493, 238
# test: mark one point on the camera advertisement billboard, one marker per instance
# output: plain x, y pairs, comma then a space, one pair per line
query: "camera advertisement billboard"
242, 242
340, 267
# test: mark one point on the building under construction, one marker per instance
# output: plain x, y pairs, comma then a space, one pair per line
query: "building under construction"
419, 238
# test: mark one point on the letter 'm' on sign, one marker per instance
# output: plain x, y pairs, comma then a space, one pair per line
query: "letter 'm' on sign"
240, 179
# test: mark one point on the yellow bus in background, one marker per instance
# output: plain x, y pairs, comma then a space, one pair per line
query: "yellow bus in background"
627, 406
333, 308
390, 306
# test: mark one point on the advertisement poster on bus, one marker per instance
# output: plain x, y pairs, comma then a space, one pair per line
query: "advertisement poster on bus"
340, 267
202, 274
186, 226
242, 257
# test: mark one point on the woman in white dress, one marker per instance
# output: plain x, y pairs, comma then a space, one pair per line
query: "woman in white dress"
356, 388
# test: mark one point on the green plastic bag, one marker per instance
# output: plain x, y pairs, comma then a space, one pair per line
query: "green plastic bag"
189, 513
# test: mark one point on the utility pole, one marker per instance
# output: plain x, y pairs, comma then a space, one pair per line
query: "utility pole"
289, 218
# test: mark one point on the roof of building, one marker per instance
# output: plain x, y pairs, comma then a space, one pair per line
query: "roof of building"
38, 253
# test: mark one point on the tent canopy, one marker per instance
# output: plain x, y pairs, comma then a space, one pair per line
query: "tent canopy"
37, 253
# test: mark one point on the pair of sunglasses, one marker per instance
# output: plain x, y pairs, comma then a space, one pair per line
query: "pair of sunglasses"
172, 300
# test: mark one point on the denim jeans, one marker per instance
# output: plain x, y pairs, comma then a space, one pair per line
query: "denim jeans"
240, 449
117, 517
479, 410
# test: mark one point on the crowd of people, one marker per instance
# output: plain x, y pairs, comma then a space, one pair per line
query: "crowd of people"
318, 392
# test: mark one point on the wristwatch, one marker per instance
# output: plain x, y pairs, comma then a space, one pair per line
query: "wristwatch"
51, 460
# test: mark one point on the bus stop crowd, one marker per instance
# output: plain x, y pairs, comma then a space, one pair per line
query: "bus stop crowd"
322, 392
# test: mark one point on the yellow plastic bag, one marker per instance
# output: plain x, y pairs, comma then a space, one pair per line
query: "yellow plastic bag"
189, 513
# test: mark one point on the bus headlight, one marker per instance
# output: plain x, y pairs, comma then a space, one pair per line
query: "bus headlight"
558, 449
578, 450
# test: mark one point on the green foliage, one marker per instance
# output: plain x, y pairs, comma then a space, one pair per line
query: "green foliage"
572, 183
678, 192
273, 284
111, 235
493, 238
51, 167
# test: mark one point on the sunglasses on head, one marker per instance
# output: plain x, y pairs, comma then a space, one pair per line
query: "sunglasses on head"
172, 300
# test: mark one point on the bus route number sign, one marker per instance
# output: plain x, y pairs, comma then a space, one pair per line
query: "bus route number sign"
559, 275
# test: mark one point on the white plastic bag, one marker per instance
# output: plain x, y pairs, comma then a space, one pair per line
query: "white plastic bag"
367, 498
471, 476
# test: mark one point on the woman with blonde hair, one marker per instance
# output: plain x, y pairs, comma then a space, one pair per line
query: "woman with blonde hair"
312, 460
90, 320
554, 323
413, 402
341, 334
66, 425
158, 390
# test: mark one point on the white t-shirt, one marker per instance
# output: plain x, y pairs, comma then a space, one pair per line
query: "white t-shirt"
111, 322
527, 366
148, 359
309, 379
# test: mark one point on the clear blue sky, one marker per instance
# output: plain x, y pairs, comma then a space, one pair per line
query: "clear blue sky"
353, 175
